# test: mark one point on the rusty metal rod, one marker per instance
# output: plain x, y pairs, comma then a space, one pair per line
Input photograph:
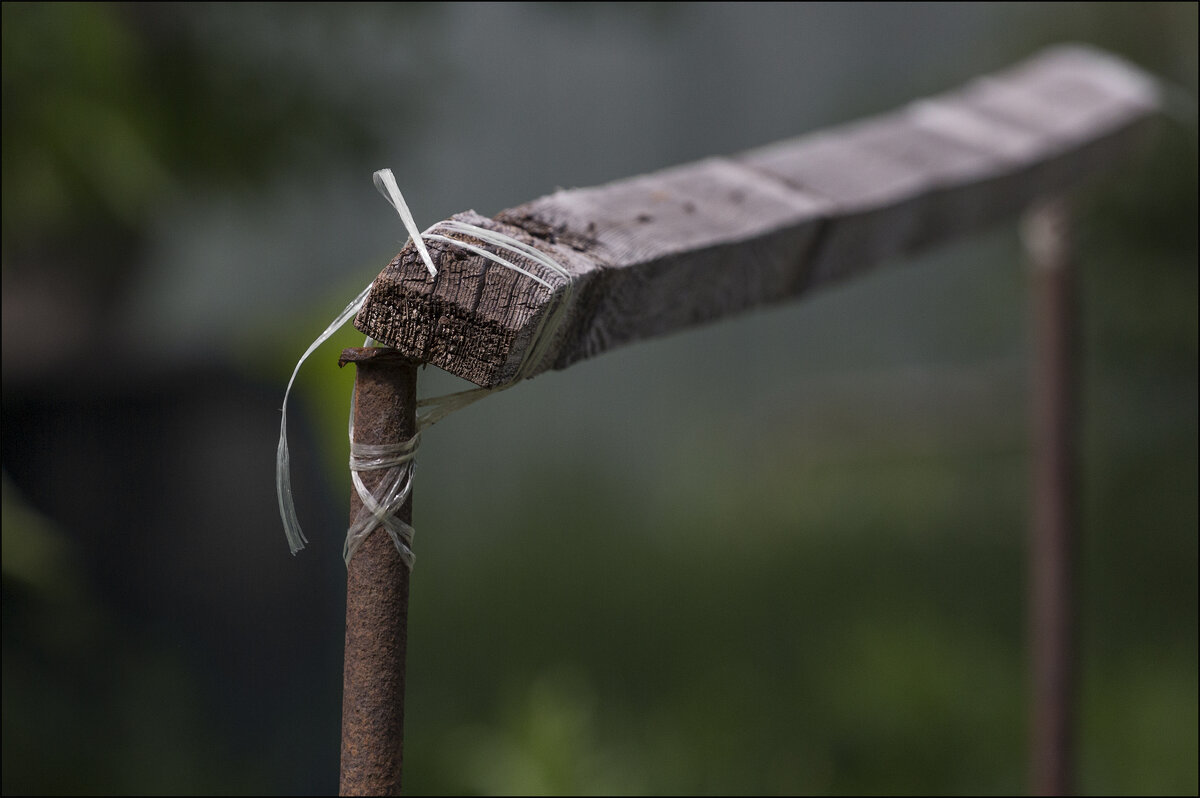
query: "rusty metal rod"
1048, 240
385, 389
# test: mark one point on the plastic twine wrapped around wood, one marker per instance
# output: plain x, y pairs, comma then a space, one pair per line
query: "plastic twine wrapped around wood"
398, 459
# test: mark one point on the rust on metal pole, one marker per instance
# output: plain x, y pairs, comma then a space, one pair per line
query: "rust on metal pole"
377, 591
1048, 242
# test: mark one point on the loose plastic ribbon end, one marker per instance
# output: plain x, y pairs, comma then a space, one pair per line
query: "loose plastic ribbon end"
283, 489
385, 181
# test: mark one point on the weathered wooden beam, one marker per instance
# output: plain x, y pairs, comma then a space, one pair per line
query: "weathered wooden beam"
694, 243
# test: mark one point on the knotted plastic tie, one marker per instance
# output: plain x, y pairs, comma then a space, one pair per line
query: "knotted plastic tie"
399, 459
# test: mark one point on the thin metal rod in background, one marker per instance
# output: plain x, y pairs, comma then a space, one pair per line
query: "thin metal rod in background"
385, 389
1048, 241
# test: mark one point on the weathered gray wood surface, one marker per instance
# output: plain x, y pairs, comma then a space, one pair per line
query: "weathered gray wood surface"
697, 242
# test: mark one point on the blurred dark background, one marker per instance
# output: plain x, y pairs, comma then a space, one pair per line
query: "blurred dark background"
781, 554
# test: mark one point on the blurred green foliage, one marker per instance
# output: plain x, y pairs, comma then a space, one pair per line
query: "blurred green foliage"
83, 138
112, 109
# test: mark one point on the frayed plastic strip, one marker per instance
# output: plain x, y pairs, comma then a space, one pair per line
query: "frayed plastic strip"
385, 181
399, 459
283, 468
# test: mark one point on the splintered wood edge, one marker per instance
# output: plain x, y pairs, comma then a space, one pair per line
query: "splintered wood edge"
683, 246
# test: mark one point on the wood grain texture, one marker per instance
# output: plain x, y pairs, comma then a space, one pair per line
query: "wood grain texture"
683, 246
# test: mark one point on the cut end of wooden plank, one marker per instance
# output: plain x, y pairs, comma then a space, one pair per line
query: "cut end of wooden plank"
660, 252
476, 318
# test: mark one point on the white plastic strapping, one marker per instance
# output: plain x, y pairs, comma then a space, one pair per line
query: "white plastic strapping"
283, 467
399, 459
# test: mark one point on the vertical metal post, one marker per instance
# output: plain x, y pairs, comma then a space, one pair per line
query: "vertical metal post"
1047, 235
385, 391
